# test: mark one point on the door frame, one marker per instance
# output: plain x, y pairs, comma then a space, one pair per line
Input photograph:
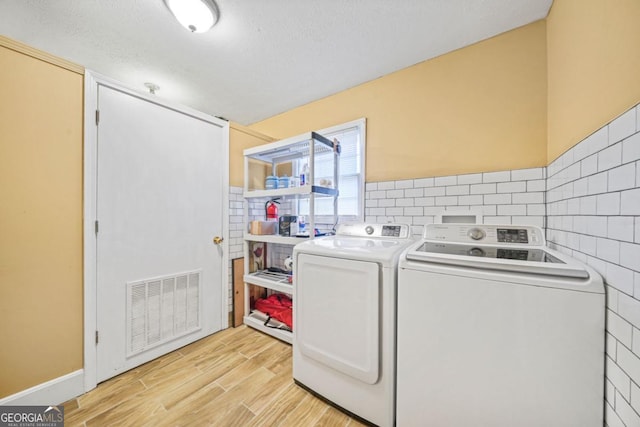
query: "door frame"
91, 84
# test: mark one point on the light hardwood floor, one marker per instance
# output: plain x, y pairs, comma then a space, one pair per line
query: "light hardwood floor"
237, 377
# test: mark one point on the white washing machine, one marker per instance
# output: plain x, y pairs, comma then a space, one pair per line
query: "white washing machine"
495, 329
344, 318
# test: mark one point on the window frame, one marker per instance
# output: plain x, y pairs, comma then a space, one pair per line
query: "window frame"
360, 125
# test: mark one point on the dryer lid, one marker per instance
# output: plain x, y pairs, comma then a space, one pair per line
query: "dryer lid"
379, 250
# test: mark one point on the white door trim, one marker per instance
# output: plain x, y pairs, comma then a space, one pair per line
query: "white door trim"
92, 82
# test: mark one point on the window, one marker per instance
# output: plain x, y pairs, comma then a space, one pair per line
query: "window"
351, 181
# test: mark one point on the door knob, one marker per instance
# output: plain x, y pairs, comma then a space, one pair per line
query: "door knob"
218, 240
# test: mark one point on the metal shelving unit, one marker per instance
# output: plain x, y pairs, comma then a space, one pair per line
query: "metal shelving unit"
306, 190
271, 238
278, 282
302, 148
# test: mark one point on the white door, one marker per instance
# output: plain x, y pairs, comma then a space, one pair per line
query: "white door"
159, 206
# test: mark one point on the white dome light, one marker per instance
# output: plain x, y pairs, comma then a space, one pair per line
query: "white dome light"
197, 16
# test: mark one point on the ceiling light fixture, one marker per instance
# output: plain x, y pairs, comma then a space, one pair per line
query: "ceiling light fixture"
196, 16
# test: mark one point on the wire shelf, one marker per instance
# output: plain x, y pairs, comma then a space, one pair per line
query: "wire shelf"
284, 151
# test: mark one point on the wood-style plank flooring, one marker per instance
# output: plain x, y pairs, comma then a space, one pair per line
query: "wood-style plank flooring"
236, 377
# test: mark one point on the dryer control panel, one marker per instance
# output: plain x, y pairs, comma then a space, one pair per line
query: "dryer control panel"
521, 235
394, 231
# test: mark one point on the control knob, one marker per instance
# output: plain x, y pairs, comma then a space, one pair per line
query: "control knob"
476, 252
369, 229
476, 233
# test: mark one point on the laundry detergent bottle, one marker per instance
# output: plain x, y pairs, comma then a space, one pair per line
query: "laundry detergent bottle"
304, 175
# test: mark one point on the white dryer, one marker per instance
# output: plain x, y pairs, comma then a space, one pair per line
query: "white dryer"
495, 329
344, 318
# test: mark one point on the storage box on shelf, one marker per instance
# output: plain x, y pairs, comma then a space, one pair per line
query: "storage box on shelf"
285, 159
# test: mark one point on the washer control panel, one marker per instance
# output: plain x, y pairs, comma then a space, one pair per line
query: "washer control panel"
511, 235
396, 231
391, 230
522, 235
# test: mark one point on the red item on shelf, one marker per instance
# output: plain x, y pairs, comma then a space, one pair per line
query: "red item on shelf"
277, 306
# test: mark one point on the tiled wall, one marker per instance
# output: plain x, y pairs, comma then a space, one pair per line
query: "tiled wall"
593, 208
236, 231
505, 197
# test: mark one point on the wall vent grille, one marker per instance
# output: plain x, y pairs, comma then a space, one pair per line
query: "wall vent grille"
162, 309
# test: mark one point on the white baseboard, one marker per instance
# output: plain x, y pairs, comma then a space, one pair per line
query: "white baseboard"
53, 392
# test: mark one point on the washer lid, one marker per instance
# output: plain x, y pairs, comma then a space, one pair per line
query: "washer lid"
516, 259
530, 254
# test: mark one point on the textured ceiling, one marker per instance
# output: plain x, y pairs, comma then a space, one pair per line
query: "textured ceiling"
263, 57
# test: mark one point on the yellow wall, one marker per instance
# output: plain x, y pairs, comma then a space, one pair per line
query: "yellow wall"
594, 67
241, 137
481, 108
41, 117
